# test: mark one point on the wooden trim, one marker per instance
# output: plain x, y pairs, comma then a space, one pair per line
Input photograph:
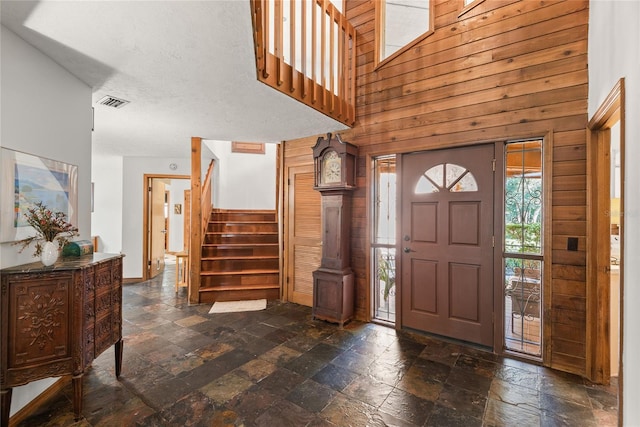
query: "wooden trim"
370, 184
40, 400
399, 172
281, 190
498, 249
247, 147
547, 255
609, 111
598, 250
195, 240
623, 127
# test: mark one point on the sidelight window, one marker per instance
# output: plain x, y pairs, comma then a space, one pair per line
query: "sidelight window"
523, 247
383, 242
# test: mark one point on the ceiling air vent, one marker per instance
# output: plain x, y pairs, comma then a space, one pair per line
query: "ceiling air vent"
112, 101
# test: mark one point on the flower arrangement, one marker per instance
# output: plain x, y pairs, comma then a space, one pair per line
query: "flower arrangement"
50, 226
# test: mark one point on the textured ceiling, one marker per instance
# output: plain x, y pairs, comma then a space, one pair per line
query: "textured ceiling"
187, 67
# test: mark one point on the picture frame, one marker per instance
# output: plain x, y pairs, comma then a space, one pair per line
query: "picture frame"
27, 179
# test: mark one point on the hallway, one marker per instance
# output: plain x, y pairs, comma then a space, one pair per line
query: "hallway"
185, 367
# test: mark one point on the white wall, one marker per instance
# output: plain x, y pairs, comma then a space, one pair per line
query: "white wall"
614, 36
176, 221
106, 219
134, 169
46, 112
244, 181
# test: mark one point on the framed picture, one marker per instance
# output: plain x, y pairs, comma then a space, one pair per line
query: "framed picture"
27, 179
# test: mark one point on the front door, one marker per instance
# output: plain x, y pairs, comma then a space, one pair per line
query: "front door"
446, 243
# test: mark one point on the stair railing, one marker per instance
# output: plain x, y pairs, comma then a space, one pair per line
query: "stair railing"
206, 199
307, 50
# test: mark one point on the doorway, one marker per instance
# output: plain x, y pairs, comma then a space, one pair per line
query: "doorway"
446, 242
605, 254
162, 211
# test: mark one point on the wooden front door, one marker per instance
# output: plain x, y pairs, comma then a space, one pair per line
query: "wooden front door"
446, 243
303, 234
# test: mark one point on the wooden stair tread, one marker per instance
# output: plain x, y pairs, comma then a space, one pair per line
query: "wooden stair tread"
239, 273
234, 221
220, 210
238, 288
239, 245
239, 257
242, 232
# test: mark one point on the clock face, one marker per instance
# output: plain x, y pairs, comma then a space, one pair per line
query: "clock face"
331, 168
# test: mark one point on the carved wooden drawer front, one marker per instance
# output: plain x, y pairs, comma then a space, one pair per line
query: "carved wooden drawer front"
56, 320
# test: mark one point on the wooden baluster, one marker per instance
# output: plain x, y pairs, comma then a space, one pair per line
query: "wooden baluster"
352, 50
292, 43
264, 18
303, 50
332, 57
323, 52
314, 48
341, 74
277, 27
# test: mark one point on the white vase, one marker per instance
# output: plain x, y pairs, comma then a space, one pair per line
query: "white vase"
49, 253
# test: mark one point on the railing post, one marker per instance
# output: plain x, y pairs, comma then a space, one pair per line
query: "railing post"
195, 242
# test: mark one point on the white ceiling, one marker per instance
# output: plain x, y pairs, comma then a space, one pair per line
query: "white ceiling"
188, 68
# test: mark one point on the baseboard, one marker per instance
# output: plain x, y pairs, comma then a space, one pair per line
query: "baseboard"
30, 408
131, 280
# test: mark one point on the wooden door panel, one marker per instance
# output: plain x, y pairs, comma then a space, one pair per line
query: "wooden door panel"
305, 261
464, 292
447, 229
303, 240
424, 293
425, 230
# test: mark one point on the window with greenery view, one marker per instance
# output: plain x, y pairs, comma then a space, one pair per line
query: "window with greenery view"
523, 247
383, 241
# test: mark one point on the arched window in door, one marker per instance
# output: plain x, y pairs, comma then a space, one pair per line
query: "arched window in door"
446, 177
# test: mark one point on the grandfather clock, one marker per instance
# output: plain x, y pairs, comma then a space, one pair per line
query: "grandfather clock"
333, 282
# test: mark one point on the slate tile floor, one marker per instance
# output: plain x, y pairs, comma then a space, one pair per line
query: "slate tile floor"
278, 367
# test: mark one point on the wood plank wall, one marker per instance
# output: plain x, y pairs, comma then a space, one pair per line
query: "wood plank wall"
502, 70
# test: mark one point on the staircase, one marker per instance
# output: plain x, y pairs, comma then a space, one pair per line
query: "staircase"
240, 258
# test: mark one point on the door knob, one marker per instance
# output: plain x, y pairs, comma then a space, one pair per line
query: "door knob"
407, 250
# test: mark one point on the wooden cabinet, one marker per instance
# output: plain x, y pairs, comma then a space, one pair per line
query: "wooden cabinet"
56, 320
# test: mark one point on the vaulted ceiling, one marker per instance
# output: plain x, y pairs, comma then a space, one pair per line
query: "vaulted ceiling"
187, 68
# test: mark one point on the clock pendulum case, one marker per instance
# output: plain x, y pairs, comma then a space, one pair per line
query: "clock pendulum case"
333, 282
